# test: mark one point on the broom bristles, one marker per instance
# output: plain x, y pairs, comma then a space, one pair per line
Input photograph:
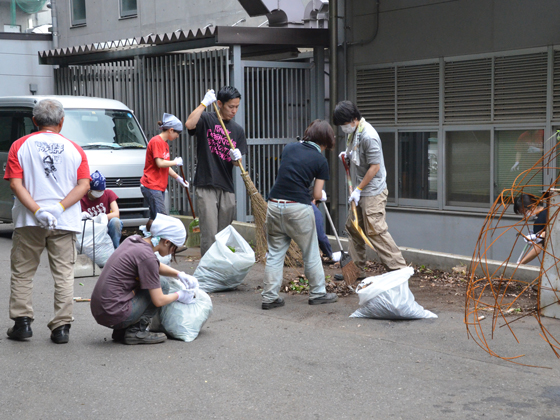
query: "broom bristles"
350, 272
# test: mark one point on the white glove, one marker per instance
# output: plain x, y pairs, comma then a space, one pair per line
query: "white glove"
234, 154
185, 296
209, 98
323, 195
86, 215
355, 196
181, 181
178, 161
56, 210
515, 167
343, 155
189, 281
45, 219
336, 256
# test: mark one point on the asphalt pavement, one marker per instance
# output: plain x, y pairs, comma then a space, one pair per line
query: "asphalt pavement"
294, 362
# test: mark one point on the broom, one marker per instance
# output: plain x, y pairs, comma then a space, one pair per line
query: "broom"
349, 270
193, 238
355, 221
259, 206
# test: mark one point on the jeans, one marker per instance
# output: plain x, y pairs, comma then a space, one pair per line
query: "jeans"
142, 307
155, 200
114, 229
284, 222
324, 243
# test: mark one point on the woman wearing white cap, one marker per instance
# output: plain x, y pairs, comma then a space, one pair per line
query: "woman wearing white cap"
129, 291
158, 165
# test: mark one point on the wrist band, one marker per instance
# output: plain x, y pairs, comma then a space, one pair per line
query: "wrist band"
358, 188
63, 209
202, 103
37, 210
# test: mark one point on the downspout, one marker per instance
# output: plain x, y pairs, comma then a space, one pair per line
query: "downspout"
333, 100
54, 19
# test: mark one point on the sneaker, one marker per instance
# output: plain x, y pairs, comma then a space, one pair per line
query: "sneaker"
143, 337
274, 304
326, 298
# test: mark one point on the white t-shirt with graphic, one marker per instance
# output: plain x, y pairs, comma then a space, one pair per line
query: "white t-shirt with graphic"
49, 165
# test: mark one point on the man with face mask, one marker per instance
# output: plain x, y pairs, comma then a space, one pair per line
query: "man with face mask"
365, 157
100, 200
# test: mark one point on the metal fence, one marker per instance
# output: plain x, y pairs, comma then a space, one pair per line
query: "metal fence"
276, 103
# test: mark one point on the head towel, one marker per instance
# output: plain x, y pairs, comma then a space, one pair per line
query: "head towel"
170, 228
171, 121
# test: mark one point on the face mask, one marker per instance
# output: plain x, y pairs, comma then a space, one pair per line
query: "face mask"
96, 194
348, 128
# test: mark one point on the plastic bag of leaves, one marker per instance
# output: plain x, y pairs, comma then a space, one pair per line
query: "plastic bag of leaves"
388, 297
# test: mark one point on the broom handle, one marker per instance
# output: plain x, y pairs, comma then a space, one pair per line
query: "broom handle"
188, 194
227, 134
355, 223
332, 226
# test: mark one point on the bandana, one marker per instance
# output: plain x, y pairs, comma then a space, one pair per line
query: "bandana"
170, 228
171, 121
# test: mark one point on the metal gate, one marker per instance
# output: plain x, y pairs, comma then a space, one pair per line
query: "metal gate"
275, 97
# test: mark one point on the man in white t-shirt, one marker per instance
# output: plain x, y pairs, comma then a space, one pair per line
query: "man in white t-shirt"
48, 175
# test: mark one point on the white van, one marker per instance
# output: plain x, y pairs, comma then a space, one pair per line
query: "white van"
108, 132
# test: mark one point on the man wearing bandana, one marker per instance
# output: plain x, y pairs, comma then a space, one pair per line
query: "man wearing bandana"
215, 197
365, 155
100, 200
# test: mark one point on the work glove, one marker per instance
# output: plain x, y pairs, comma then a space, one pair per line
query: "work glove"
209, 98
56, 210
86, 215
515, 167
45, 219
336, 256
178, 161
234, 154
355, 197
323, 195
181, 181
343, 155
185, 296
189, 281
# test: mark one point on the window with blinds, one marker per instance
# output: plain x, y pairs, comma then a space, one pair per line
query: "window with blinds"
556, 87
418, 94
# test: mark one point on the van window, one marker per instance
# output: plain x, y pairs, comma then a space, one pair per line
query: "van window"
14, 123
103, 129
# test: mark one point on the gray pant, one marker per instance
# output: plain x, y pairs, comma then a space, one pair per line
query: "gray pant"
216, 210
285, 222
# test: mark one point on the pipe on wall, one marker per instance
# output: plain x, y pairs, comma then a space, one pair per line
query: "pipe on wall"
333, 99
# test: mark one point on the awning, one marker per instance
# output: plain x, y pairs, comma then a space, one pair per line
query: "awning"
250, 38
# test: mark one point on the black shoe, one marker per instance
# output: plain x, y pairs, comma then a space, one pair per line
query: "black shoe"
139, 334
61, 335
274, 304
21, 329
118, 334
340, 277
326, 298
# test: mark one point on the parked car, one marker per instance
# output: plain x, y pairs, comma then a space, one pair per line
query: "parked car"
108, 132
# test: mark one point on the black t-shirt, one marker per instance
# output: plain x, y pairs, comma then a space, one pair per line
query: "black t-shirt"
214, 167
540, 221
300, 164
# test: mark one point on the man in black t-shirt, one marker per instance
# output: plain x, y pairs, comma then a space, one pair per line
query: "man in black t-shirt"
215, 160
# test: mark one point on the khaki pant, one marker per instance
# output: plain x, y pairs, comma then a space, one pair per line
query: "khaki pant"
371, 218
28, 244
216, 210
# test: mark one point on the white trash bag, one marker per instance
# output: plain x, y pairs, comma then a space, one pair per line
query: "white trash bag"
181, 321
221, 268
388, 297
103, 244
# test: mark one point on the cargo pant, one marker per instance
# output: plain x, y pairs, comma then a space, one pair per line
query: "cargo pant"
371, 218
216, 210
28, 244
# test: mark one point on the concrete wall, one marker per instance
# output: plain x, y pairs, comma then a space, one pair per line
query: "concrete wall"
19, 67
154, 16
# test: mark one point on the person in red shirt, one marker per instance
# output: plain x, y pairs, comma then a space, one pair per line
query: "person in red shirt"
99, 200
158, 166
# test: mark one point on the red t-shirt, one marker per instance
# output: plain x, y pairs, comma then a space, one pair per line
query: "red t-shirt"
99, 205
156, 178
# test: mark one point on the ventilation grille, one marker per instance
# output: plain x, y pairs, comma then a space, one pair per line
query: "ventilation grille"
418, 93
556, 87
520, 87
376, 95
468, 91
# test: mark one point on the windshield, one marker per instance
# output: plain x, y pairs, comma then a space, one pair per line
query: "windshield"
102, 129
